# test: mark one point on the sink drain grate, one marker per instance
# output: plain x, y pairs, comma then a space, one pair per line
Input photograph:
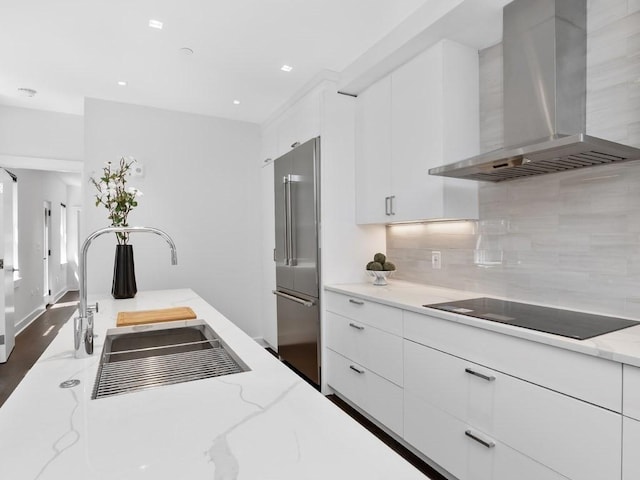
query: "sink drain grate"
142, 373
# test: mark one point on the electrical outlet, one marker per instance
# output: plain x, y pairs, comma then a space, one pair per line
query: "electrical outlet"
435, 260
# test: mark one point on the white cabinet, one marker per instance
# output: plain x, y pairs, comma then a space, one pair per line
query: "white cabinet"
375, 314
373, 153
300, 123
630, 449
470, 456
370, 392
631, 392
589, 378
548, 427
423, 115
364, 356
480, 404
631, 423
269, 144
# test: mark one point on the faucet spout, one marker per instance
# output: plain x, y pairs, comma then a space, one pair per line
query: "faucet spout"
83, 324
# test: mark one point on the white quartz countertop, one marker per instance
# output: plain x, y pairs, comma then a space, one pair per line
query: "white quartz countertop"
622, 346
263, 424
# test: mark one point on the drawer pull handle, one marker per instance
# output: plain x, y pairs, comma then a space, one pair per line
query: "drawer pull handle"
356, 369
357, 302
479, 439
357, 327
488, 378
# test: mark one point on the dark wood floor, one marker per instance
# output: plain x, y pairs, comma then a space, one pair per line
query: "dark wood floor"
32, 341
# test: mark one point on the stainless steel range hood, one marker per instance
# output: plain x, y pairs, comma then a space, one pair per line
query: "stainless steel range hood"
544, 77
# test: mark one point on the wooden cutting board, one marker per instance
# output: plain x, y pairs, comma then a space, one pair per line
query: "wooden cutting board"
140, 317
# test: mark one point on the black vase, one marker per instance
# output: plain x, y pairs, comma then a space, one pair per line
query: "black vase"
124, 273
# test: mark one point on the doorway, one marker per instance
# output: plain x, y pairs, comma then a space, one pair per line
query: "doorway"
7, 321
46, 254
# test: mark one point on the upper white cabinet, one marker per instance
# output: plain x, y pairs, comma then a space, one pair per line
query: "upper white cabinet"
423, 115
300, 123
373, 153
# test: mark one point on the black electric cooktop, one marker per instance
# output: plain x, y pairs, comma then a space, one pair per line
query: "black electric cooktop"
565, 323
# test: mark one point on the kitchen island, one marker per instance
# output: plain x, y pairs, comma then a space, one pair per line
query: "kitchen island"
265, 423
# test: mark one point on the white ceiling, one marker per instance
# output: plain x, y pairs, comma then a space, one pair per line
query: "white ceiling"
71, 49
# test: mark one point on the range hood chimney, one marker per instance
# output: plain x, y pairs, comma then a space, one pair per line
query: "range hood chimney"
544, 77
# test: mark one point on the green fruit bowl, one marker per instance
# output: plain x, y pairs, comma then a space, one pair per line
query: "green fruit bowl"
379, 276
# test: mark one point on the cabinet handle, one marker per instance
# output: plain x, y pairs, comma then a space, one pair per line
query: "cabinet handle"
357, 327
357, 302
295, 144
482, 441
356, 369
488, 378
387, 205
391, 209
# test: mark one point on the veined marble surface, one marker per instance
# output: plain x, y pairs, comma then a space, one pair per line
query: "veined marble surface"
621, 346
263, 424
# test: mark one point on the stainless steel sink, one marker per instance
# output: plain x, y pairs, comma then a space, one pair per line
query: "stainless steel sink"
148, 356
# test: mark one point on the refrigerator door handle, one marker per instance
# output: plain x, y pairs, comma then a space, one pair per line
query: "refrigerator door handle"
306, 303
285, 183
289, 221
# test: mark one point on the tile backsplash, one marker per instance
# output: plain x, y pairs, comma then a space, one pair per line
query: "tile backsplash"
569, 239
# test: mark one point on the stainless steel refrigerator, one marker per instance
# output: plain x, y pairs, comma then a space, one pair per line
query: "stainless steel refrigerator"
297, 257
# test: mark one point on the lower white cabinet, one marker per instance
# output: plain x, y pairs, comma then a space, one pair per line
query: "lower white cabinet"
378, 397
480, 404
630, 449
378, 350
364, 356
546, 426
463, 450
631, 392
631, 424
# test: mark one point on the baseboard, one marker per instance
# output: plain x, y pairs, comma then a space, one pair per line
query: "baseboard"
27, 320
60, 294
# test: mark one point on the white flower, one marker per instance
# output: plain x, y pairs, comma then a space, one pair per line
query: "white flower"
134, 191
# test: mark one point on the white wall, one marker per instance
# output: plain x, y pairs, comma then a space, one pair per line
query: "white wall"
35, 133
42, 140
74, 209
34, 188
200, 186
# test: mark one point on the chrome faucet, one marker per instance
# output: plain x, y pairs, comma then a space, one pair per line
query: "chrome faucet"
83, 323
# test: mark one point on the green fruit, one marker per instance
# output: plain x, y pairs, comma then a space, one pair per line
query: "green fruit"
388, 267
380, 258
374, 266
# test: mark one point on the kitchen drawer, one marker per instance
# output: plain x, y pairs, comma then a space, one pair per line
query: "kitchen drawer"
575, 438
460, 388
371, 347
373, 394
631, 392
374, 314
589, 378
630, 449
554, 429
441, 437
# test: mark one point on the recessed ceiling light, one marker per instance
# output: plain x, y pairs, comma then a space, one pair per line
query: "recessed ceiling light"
122, 83
27, 92
236, 102
155, 24
286, 68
